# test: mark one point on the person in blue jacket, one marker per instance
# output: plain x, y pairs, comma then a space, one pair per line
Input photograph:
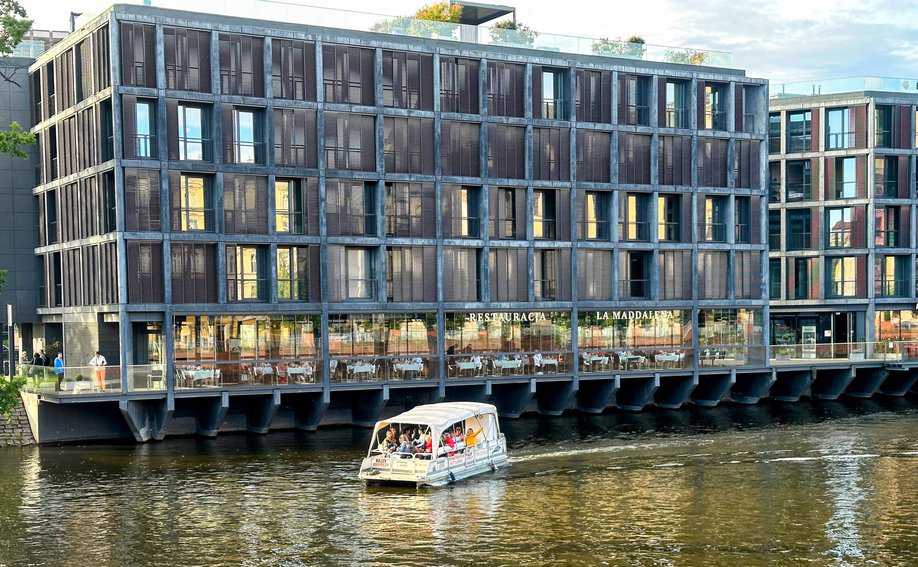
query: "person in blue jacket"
59, 369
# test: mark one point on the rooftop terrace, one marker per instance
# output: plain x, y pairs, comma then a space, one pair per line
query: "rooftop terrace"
844, 85
295, 12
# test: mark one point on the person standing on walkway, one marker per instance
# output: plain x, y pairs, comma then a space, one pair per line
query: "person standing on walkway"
99, 363
59, 370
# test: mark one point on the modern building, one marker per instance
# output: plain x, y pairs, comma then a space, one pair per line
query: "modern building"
17, 206
268, 224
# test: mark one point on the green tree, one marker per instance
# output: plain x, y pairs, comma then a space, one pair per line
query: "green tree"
509, 32
439, 12
14, 23
633, 48
433, 20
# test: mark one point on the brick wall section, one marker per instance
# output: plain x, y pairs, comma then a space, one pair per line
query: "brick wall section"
15, 431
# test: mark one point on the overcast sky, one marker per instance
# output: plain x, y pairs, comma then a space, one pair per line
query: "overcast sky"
783, 40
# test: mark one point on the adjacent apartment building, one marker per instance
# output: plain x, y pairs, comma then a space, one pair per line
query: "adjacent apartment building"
841, 224
284, 221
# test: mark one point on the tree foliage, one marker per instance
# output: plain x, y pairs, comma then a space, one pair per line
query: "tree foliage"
633, 48
14, 24
439, 12
9, 394
2, 279
513, 33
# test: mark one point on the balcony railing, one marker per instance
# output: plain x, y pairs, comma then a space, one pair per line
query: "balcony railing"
799, 241
713, 231
71, 380
461, 227
545, 289
799, 143
839, 238
593, 230
676, 118
840, 289
195, 149
888, 238
244, 152
636, 231
774, 241
717, 119
846, 85
638, 114
892, 288
544, 229
553, 109
840, 140
634, 288
351, 224
731, 355
357, 289
668, 232
799, 191
504, 229
742, 235
881, 351
474, 365
144, 146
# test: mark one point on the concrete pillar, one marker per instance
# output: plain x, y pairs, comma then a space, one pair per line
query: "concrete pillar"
260, 411
899, 382
866, 382
830, 383
674, 390
210, 413
790, 386
594, 396
553, 398
512, 398
711, 389
147, 419
750, 387
308, 409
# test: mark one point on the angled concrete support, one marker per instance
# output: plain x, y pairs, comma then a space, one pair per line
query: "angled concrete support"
555, 397
147, 419
367, 405
899, 382
210, 413
866, 382
594, 396
789, 386
260, 411
830, 383
712, 388
674, 390
308, 409
511, 399
751, 387
635, 393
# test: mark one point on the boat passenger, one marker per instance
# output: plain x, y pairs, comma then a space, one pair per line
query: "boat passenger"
471, 437
389, 442
448, 443
404, 445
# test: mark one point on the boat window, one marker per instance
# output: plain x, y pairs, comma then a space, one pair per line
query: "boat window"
403, 440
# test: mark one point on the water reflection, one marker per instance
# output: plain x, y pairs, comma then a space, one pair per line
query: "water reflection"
773, 483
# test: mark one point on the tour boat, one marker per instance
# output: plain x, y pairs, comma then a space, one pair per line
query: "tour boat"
435, 444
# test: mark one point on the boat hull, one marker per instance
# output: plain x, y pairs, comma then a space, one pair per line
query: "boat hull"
440, 472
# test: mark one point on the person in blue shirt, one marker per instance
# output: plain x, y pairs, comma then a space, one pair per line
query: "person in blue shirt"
59, 369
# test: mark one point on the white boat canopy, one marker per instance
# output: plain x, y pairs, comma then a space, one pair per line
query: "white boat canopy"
440, 416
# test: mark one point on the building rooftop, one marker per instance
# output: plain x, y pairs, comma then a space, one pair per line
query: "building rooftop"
843, 85
291, 11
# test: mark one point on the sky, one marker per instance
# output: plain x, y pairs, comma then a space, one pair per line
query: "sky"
781, 40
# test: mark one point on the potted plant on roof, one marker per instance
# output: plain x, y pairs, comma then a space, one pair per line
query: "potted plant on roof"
509, 32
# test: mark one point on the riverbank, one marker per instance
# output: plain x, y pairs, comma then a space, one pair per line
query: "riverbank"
15, 431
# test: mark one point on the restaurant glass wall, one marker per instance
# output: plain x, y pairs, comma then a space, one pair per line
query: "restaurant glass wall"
507, 343
634, 340
896, 334
730, 337
371, 347
246, 350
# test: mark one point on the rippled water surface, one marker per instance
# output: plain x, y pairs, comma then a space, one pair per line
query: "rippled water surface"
827, 484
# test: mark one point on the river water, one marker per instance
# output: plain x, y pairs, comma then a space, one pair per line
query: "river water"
821, 484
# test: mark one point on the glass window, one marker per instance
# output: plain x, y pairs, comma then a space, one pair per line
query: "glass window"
715, 107
634, 224
774, 278
798, 229
244, 273
359, 274
715, 219
553, 91
890, 276
774, 133
668, 216
799, 185
845, 178
244, 135
543, 214
842, 276
292, 273
798, 131
839, 130
145, 116
595, 223
675, 105
195, 212
886, 177
191, 140
884, 121
838, 227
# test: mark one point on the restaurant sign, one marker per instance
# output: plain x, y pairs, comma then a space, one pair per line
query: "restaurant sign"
636, 314
506, 317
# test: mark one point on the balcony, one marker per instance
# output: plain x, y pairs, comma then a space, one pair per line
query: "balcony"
814, 353
742, 235
634, 288
887, 238
846, 85
668, 232
244, 153
543, 229
144, 146
676, 118
545, 289
717, 119
840, 140
638, 114
637, 231
194, 149
799, 191
553, 109
712, 231
800, 241
407, 26
838, 238
892, 288
841, 289
593, 230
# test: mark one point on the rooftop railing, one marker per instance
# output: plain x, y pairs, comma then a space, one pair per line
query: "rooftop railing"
843, 85
291, 11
